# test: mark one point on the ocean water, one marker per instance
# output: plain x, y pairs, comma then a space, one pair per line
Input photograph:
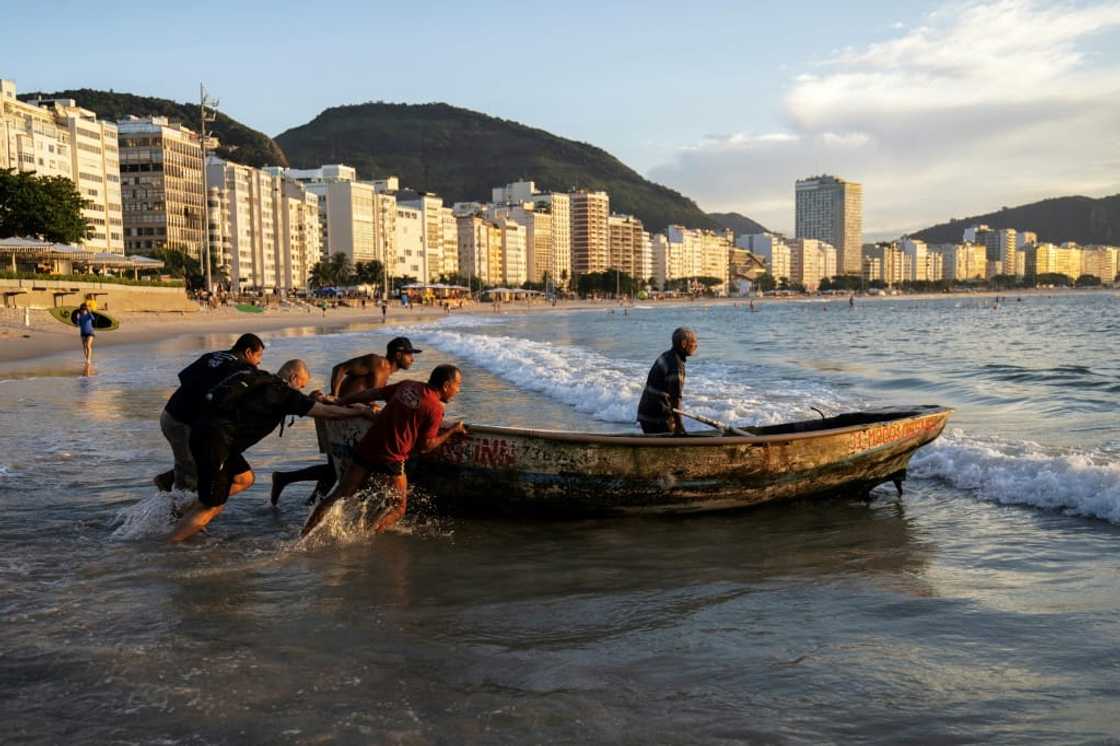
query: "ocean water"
981, 606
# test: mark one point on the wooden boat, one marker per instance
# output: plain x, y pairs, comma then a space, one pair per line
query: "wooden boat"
505, 468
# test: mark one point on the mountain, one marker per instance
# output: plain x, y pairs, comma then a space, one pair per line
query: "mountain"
1082, 219
740, 224
238, 142
461, 155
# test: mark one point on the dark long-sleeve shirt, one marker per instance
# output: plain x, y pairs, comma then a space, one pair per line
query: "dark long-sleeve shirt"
664, 389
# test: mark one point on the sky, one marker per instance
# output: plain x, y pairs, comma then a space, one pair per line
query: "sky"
940, 109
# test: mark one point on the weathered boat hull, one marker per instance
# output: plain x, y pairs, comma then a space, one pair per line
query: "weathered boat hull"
512, 469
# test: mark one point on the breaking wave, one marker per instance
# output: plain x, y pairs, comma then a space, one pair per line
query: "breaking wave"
1024, 473
152, 516
608, 389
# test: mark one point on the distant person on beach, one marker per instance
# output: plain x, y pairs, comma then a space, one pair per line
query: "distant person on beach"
384, 310
411, 421
665, 387
188, 401
358, 374
85, 329
241, 411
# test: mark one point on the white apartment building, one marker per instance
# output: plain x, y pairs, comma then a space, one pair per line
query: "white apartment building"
538, 227
430, 208
806, 263
668, 260
965, 261
254, 246
299, 231
474, 247
772, 248
830, 209
514, 239
59, 138
346, 211
409, 233
918, 253
627, 242
559, 206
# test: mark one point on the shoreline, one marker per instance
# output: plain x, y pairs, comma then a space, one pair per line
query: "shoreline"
47, 337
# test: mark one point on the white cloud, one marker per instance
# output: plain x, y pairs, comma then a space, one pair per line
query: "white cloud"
981, 104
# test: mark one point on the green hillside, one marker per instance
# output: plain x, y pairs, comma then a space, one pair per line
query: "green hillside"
461, 154
238, 142
1081, 219
737, 222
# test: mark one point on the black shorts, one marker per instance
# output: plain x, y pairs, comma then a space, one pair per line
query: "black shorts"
217, 461
655, 428
384, 468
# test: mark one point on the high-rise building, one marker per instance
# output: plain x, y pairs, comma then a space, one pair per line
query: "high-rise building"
57, 137
347, 220
668, 260
450, 243
590, 236
513, 242
474, 247
409, 232
627, 240
430, 207
161, 186
830, 209
887, 263
918, 253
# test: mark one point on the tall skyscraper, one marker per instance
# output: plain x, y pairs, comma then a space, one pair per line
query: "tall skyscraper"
590, 237
830, 209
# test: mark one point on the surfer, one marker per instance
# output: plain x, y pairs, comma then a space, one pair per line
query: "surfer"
188, 401
665, 386
241, 411
85, 328
370, 371
411, 421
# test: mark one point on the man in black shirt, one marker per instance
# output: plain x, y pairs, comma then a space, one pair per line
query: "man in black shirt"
665, 387
188, 401
240, 412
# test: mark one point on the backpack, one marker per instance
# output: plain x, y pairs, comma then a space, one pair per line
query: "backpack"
227, 394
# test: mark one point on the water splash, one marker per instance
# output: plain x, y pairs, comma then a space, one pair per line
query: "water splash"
351, 521
152, 516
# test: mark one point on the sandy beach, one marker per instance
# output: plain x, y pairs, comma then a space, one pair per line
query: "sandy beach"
45, 336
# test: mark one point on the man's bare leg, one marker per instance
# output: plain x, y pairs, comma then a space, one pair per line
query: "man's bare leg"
352, 481
242, 482
399, 503
198, 515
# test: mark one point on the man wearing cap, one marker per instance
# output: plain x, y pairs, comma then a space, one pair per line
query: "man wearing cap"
364, 372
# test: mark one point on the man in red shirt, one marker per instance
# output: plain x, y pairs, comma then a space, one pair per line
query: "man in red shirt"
410, 421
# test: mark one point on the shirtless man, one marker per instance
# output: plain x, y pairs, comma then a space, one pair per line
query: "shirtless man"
358, 374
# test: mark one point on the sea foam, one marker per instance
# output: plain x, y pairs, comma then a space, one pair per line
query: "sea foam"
608, 389
1024, 473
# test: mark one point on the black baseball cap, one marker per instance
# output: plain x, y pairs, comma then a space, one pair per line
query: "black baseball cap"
401, 344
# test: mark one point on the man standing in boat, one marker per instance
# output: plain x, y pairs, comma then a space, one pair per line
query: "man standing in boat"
364, 372
665, 387
411, 421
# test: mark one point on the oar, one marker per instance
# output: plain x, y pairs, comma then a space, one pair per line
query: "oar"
714, 423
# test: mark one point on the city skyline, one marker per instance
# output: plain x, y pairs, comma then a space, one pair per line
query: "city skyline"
917, 106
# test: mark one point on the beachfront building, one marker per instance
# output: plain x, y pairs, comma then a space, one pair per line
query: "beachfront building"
807, 263
556, 261
668, 260
538, 227
965, 261
589, 233
830, 209
95, 169
430, 208
161, 186
450, 252
917, 254
1100, 262
347, 223
629, 247
473, 245
703, 253
266, 231
513, 243
56, 137
1002, 245
772, 249
886, 263
409, 243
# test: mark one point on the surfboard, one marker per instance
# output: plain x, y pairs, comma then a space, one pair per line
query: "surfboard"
102, 321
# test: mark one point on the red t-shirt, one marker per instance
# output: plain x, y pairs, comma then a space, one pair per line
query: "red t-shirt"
413, 413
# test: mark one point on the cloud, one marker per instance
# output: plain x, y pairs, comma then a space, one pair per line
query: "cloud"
979, 105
